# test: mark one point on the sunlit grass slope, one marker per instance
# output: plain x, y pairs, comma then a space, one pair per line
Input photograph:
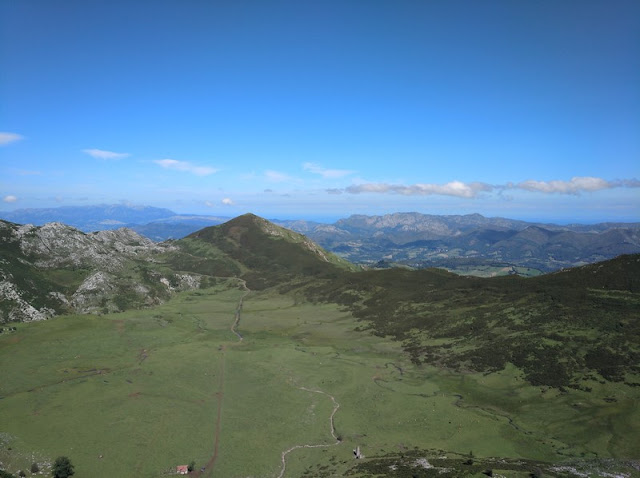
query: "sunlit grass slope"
123, 395
135, 394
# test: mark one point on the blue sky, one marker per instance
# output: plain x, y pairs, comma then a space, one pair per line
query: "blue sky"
322, 109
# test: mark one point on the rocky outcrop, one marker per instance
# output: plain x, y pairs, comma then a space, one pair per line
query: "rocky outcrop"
93, 293
181, 282
18, 309
57, 245
55, 269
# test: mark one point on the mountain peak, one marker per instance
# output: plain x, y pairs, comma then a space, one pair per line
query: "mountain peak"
272, 253
249, 223
250, 219
249, 228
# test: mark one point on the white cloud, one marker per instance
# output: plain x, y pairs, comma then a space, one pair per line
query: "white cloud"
326, 173
453, 188
185, 166
102, 154
227, 202
10, 199
277, 177
6, 137
574, 186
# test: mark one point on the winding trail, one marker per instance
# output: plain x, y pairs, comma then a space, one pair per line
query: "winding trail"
336, 405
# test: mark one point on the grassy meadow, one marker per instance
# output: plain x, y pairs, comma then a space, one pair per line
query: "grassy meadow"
139, 392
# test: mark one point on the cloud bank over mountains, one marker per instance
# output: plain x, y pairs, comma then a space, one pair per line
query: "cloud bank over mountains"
575, 186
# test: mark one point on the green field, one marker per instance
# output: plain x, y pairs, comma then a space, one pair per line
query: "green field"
137, 393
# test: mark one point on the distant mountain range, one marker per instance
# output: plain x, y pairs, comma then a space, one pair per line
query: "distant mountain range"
468, 244
460, 242
89, 218
157, 224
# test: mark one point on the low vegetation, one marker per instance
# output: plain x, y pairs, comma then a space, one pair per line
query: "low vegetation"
285, 348
568, 329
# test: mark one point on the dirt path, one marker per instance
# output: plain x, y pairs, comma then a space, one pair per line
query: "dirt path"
236, 321
336, 405
208, 468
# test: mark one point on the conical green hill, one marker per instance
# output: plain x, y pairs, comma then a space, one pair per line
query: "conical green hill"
268, 254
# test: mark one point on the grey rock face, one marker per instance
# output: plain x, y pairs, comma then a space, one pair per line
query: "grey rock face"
50, 269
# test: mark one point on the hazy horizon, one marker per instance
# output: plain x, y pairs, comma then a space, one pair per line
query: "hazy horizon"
322, 218
310, 110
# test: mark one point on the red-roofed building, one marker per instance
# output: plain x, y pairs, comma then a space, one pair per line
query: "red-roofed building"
182, 469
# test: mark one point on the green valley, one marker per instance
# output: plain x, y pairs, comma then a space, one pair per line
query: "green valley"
285, 359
